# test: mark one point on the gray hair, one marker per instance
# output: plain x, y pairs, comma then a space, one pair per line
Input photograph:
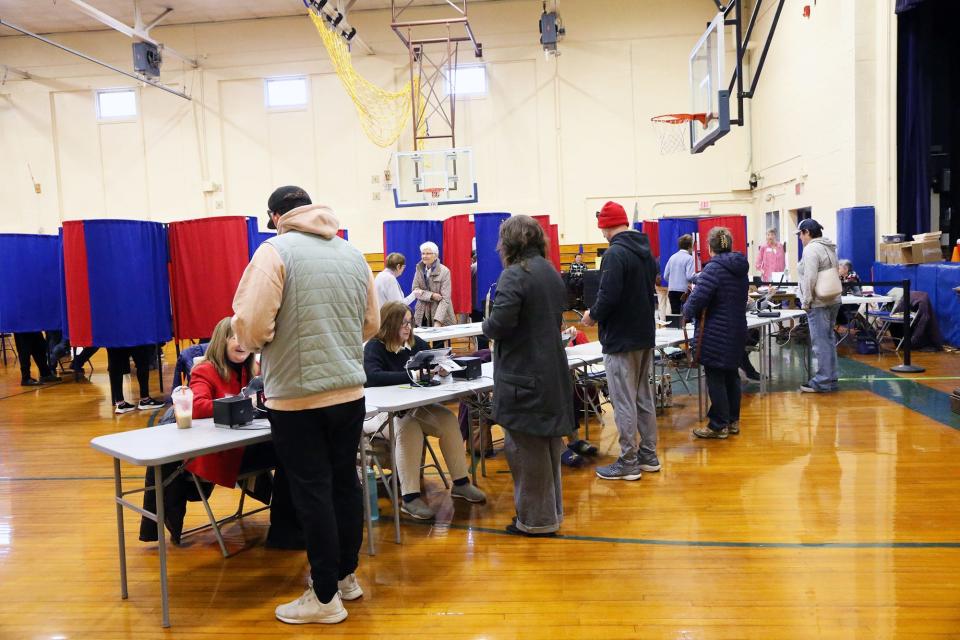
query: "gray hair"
430, 246
845, 263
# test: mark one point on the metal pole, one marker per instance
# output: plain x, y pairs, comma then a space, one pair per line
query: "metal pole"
143, 79
907, 366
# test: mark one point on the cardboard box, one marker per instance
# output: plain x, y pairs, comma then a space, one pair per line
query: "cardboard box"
926, 251
932, 235
896, 253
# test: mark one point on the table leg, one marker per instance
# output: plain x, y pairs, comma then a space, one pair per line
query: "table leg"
473, 452
365, 486
699, 391
118, 489
763, 358
162, 545
394, 477
584, 394
483, 446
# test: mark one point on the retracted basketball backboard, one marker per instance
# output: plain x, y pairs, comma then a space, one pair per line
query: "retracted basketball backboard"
443, 176
709, 94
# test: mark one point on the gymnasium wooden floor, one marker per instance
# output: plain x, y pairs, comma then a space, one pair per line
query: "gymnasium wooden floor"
829, 517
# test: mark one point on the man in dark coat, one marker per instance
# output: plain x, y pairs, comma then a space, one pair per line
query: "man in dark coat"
531, 375
718, 304
624, 310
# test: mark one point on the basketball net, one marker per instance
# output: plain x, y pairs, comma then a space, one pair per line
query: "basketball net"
673, 130
433, 195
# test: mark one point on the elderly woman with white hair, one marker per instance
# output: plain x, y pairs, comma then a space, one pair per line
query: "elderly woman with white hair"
431, 285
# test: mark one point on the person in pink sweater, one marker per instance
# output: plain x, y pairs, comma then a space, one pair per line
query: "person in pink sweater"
771, 257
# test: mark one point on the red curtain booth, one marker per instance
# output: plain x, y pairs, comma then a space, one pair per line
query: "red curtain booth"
207, 258
552, 234
737, 226
652, 229
457, 246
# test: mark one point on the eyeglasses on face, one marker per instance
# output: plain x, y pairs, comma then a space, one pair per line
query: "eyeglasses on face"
406, 323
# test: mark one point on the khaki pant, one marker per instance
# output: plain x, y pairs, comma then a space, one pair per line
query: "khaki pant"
436, 421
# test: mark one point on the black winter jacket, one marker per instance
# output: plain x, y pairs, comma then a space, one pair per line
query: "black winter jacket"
627, 294
532, 389
721, 290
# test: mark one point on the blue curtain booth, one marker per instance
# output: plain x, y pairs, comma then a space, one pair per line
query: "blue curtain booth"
937, 280
489, 267
857, 237
118, 290
406, 236
255, 237
670, 230
31, 295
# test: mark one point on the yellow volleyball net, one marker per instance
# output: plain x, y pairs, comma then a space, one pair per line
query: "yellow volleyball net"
383, 114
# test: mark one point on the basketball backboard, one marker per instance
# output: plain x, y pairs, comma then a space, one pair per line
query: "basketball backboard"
708, 87
419, 174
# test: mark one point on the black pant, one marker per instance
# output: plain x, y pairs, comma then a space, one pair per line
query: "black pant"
723, 386
118, 364
676, 306
477, 316
746, 365
31, 344
318, 450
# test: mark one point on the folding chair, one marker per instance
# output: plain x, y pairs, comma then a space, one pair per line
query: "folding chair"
242, 481
5, 345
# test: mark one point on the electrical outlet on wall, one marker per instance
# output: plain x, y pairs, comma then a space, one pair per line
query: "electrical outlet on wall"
218, 204
375, 195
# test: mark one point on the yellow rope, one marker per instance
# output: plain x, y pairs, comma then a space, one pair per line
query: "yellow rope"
383, 114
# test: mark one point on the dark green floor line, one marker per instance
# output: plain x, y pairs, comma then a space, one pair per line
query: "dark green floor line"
715, 543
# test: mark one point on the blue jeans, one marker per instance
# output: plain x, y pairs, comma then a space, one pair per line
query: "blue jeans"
822, 321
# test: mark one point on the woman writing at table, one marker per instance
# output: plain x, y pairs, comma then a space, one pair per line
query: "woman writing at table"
384, 358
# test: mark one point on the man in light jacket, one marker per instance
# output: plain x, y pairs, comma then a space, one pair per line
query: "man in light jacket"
819, 254
306, 301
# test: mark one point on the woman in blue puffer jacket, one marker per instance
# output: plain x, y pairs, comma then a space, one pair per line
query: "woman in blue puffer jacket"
721, 292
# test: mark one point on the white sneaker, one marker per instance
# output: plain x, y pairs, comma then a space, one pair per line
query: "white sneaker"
308, 608
349, 588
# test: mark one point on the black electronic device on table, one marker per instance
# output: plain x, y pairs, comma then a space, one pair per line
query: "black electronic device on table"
239, 410
424, 362
471, 368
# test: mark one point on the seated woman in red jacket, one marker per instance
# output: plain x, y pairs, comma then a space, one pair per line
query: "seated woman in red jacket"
225, 370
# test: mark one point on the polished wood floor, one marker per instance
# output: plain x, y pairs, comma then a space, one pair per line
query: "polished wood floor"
833, 516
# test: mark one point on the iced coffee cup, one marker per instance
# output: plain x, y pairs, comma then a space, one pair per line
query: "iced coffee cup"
183, 406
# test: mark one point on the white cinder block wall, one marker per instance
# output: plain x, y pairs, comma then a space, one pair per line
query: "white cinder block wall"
558, 136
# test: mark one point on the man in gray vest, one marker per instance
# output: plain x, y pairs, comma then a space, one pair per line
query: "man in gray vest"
306, 301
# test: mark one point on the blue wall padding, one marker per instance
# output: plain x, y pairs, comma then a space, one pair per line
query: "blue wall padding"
406, 236
31, 297
486, 230
937, 280
948, 302
129, 282
856, 237
891, 272
670, 230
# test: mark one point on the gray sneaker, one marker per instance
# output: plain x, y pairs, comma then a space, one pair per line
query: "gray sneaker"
649, 462
468, 492
417, 509
734, 428
619, 470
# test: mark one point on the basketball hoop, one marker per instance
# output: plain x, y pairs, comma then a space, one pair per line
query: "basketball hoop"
433, 195
671, 136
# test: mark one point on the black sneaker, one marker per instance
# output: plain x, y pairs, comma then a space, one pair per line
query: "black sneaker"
148, 404
124, 407
29, 382
50, 378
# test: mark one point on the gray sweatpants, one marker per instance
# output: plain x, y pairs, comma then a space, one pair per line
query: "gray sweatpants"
535, 465
633, 404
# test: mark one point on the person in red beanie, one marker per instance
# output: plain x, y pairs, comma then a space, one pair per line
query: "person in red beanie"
624, 309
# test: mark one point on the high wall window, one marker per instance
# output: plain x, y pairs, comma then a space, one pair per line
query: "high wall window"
116, 105
286, 93
468, 80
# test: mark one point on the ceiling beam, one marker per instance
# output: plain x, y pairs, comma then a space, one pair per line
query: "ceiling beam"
6, 70
131, 32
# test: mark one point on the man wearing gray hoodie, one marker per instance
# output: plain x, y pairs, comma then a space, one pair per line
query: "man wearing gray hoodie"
819, 254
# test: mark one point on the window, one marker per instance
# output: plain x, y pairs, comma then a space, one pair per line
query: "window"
772, 220
286, 93
116, 105
469, 81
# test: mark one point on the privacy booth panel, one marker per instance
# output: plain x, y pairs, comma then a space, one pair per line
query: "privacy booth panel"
669, 231
406, 236
457, 245
207, 258
489, 267
738, 229
117, 286
856, 237
31, 298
